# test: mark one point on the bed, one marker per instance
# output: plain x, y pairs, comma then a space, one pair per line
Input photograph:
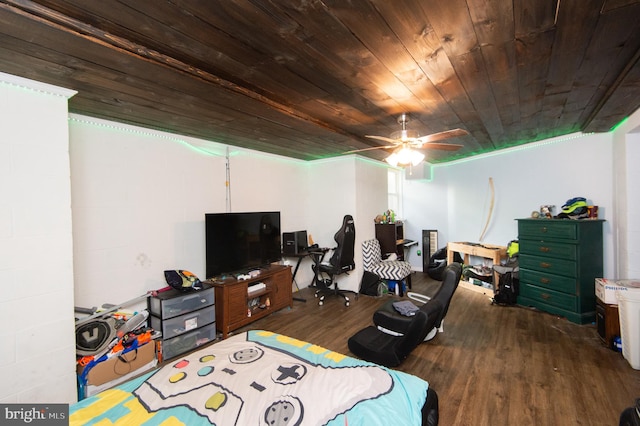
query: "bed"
263, 378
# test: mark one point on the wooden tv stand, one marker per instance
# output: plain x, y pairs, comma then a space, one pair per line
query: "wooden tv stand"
235, 307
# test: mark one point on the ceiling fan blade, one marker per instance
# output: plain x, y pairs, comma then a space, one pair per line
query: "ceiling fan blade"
370, 149
440, 146
382, 138
424, 142
447, 134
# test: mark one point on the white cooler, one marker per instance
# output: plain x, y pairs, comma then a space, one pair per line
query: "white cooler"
629, 311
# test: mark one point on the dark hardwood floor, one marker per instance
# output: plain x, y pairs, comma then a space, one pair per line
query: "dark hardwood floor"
492, 365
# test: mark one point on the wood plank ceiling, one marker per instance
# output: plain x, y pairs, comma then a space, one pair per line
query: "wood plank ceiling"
309, 79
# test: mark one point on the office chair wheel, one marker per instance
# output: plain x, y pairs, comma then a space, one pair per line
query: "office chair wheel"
346, 303
321, 301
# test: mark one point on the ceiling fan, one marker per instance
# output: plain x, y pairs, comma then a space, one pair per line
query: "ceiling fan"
406, 142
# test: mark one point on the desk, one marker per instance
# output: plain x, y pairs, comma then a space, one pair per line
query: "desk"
316, 255
407, 244
487, 251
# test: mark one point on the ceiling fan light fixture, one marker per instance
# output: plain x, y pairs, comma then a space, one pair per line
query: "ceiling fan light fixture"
416, 158
405, 156
392, 159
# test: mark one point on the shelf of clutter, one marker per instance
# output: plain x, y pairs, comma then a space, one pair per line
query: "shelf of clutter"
492, 252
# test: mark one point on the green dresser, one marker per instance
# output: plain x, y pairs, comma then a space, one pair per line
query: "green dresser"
559, 261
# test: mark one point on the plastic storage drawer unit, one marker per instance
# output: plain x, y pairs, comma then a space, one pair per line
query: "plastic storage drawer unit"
179, 325
188, 341
173, 303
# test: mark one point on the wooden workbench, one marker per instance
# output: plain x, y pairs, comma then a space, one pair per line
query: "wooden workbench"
487, 251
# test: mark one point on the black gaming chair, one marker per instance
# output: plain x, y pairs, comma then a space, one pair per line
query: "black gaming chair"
393, 336
341, 262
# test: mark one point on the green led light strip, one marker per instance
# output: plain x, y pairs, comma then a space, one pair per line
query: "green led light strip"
615, 127
156, 134
33, 86
521, 147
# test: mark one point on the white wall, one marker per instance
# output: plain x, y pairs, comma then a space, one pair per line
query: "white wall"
139, 199
371, 199
425, 207
337, 187
627, 197
37, 353
631, 266
457, 200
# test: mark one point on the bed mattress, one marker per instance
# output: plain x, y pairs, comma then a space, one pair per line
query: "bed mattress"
261, 377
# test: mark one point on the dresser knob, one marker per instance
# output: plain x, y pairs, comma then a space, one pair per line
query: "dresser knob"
545, 296
545, 249
545, 265
545, 280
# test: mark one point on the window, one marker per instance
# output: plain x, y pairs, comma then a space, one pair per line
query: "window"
394, 191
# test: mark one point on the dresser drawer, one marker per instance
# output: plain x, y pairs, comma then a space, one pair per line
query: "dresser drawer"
550, 281
542, 229
188, 341
559, 262
173, 303
181, 324
550, 297
549, 249
548, 265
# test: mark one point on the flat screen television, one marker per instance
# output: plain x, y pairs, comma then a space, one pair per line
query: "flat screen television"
241, 242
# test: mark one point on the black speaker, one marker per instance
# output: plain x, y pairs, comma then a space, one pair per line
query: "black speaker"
294, 242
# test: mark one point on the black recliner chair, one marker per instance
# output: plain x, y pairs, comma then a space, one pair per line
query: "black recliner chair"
341, 262
393, 336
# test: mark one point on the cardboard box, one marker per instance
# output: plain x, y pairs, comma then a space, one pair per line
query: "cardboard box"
120, 366
606, 289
